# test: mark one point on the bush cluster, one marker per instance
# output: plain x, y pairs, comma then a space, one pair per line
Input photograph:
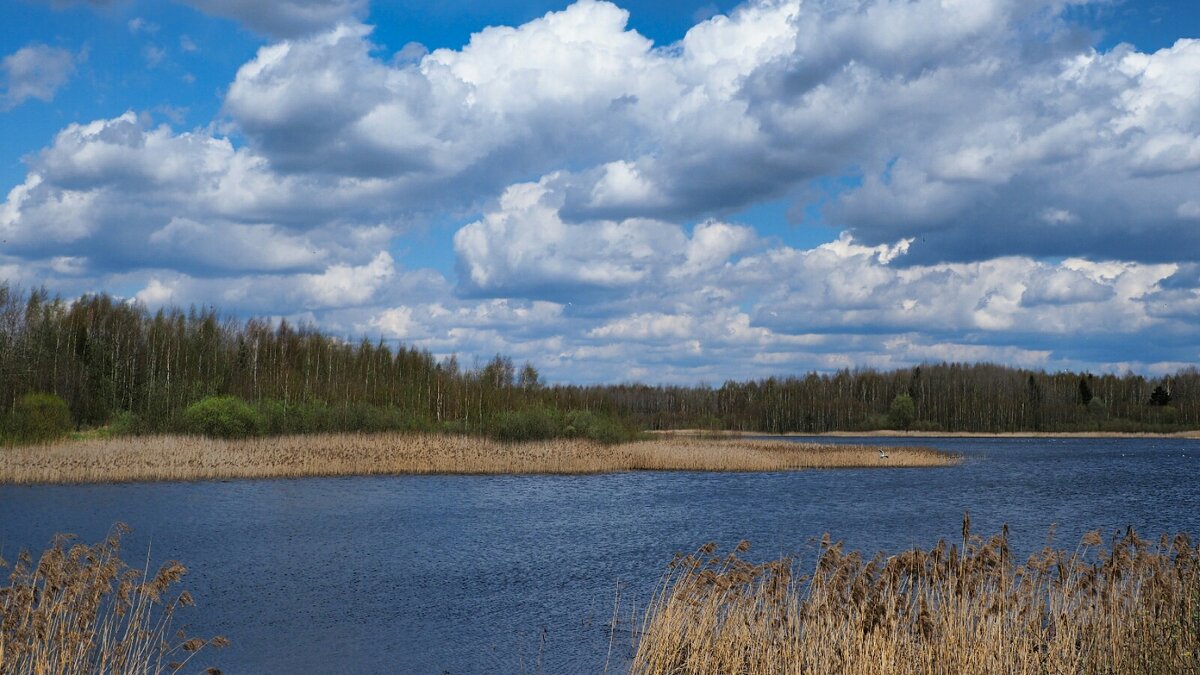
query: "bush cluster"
223, 417
308, 417
36, 418
539, 423
231, 417
45, 417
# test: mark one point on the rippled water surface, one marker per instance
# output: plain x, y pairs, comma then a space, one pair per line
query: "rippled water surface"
470, 574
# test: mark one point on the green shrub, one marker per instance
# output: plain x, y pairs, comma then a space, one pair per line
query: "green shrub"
38, 418
1167, 415
902, 413
926, 425
531, 424
367, 418
305, 417
422, 424
607, 430
222, 416
274, 417
124, 423
541, 423
310, 417
596, 426
872, 422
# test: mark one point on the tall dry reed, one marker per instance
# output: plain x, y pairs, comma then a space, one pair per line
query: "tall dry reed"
151, 458
81, 609
1121, 607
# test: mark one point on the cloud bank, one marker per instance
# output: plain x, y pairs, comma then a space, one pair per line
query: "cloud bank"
1005, 191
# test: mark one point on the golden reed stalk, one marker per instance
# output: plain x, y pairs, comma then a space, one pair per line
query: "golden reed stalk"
1130, 606
165, 458
81, 609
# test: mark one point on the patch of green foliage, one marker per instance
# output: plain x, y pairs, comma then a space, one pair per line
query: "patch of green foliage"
309, 417
598, 427
531, 424
37, 418
903, 412
872, 422
223, 417
540, 423
306, 417
231, 417
926, 425
125, 423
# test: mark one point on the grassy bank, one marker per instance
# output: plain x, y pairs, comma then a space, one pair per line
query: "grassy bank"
156, 458
1125, 606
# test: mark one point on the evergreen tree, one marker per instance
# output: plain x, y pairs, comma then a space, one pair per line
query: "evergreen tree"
1085, 390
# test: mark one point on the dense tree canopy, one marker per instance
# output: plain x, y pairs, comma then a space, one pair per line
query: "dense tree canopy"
112, 361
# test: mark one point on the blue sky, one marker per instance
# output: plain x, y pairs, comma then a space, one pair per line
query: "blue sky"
655, 191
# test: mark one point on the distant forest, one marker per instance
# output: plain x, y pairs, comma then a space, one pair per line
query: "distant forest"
111, 360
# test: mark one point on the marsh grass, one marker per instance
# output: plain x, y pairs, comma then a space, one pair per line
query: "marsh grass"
1125, 606
81, 609
159, 458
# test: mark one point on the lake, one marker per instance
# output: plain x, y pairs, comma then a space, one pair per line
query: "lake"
485, 574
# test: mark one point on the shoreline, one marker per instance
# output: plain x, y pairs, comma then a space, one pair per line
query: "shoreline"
888, 433
191, 458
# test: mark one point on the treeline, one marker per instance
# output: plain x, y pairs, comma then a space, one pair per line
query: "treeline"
945, 397
118, 364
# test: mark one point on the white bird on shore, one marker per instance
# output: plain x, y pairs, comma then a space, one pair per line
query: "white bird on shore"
882, 455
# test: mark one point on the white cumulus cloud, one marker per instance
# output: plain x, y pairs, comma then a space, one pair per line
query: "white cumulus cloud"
34, 71
1002, 186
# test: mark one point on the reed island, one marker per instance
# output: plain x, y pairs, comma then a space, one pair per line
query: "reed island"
166, 458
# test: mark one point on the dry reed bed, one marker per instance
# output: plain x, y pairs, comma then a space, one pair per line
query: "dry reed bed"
1128, 606
157, 458
81, 609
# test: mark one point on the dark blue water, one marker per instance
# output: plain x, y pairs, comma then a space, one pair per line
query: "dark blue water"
468, 574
